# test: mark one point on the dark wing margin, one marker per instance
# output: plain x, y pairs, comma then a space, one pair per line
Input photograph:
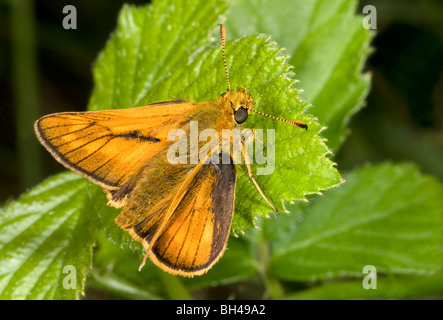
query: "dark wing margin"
223, 198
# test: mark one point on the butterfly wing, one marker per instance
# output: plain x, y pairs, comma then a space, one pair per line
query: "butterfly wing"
181, 213
197, 235
194, 237
109, 147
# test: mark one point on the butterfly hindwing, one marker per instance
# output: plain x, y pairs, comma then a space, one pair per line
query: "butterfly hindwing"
196, 234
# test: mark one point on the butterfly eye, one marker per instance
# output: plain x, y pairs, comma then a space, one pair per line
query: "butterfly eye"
240, 115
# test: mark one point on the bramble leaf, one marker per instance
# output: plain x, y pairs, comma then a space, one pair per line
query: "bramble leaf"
254, 62
328, 47
389, 216
46, 240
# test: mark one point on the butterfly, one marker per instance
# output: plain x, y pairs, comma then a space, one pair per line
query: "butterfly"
180, 212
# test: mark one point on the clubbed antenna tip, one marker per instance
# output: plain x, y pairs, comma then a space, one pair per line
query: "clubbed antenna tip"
293, 122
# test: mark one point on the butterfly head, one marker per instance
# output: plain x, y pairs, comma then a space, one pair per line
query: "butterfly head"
240, 102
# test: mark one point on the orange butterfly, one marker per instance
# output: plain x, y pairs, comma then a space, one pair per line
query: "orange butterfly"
181, 213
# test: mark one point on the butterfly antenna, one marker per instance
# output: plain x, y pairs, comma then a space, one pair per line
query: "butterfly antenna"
293, 122
223, 40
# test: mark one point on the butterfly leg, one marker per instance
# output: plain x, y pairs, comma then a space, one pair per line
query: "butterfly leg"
252, 132
248, 166
257, 139
217, 168
144, 260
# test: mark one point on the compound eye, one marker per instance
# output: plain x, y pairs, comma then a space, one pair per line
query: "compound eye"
240, 115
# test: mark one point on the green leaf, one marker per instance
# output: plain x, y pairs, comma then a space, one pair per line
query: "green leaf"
115, 270
388, 287
253, 62
388, 216
114, 266
238, 263
165, 51
328, 47
113, 283
151, 43
43, 236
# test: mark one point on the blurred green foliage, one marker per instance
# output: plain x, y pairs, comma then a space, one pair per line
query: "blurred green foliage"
402, 121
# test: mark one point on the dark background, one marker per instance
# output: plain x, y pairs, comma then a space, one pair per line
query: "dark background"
45, 68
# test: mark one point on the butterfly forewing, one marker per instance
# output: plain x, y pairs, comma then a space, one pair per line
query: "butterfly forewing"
109, 147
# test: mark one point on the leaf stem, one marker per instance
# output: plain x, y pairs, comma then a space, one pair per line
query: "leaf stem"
173, 286
24, 70
114, 284
274, 289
